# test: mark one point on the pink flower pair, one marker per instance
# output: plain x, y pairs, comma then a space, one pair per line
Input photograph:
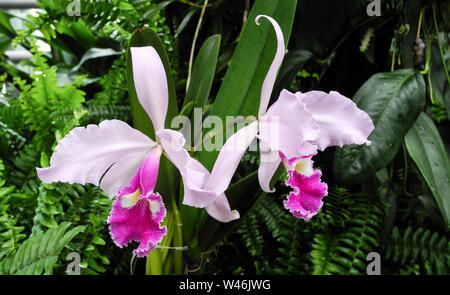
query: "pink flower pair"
125, 162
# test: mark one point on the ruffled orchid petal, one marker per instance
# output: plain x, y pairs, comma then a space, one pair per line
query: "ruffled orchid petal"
269, 81
269, 162
220, 209
150, 81
229, 157
281, 129
306, 198
86, 153
138, 223
340, 120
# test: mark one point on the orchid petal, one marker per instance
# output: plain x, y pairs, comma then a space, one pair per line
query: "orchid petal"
195, 175
340, 120
220, 209
269, 162
85, 154
269, 81
287, 125
173, 144
149, 171
151, 83
229, 157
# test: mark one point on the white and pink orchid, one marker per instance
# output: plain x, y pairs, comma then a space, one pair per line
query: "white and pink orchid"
124, 163
295, 127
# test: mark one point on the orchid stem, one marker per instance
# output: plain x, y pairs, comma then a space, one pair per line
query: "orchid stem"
191, 57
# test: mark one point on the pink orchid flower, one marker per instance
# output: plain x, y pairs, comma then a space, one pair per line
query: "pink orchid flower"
125, 162
295, 126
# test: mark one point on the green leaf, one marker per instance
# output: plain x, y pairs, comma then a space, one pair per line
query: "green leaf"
185, 21
95, 53
439, 84
4, 45
126, 6
393, 101
40, 252
5, 25
240, 91
426, 148
203, 72
160, 6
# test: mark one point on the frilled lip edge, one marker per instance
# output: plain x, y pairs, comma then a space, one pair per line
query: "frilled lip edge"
304, 214
150, 245
136, 251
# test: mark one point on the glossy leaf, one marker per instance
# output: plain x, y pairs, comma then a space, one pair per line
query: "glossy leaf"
203, 72
393, 101
426, 148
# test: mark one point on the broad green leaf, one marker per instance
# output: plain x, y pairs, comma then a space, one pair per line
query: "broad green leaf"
240, 91
393, 101
95, 53
426, 148
203, 72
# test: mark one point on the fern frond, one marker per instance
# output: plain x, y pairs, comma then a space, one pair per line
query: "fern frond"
250, 234
344, 250
10, 234
270, 213
291, 256
39, 253
419, 246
